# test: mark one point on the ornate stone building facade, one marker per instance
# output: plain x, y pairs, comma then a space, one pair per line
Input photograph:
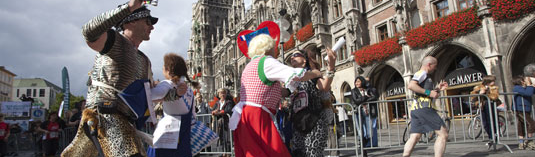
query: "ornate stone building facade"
217, 61
493, 47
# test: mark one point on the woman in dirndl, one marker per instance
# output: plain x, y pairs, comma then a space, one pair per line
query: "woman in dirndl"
252, 121
177, 133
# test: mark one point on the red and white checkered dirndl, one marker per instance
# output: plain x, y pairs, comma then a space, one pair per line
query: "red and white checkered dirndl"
253, 90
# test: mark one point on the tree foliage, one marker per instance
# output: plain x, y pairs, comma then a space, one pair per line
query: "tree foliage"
72, 99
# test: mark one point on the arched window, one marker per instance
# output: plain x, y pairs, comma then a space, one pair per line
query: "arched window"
340, 8
335, 9
346, 93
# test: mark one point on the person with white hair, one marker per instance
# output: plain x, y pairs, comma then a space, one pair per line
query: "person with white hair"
529, 71
254, 131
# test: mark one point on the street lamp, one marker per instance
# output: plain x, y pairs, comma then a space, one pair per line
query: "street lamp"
284, 25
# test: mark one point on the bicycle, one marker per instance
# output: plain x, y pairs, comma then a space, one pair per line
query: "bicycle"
432, 134
475, 127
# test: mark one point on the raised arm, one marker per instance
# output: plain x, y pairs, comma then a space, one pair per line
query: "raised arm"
276, 71
324, 84
309, 75
96, 31
160, 90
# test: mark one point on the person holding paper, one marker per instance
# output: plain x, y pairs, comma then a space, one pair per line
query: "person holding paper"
173, 134
312, 109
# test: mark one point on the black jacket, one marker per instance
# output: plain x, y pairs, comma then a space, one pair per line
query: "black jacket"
227, 107
358, 99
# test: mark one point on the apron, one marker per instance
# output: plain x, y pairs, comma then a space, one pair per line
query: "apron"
183, 146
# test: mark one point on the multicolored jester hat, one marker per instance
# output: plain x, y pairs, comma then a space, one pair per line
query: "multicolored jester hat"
267, 27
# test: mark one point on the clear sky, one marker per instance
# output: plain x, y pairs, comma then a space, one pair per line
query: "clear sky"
38, 38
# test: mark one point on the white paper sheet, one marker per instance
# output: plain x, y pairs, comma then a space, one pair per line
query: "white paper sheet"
167, 133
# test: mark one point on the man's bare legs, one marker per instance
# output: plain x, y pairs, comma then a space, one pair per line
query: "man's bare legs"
440, 142
413, 139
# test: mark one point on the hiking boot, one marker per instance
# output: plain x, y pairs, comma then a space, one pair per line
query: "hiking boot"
521, 146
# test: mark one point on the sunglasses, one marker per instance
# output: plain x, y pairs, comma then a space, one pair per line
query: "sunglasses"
298, 55
149, 22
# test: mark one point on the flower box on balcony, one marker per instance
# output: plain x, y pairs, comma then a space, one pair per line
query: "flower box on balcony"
289, 44
305, 33
377, 52
511, 9
444, 28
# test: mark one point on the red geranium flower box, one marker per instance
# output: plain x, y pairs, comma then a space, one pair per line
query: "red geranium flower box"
289, 44
305, 33
511, 9
444, 28
378, 51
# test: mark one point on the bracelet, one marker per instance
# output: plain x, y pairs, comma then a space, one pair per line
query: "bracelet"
427, 92
330, 74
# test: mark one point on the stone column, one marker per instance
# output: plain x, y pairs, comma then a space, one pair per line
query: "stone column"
493, 57
407, 64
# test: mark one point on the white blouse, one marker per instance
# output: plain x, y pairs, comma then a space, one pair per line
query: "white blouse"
276, 71
175, 107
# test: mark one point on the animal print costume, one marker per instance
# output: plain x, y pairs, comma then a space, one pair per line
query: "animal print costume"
313, 143
117, 65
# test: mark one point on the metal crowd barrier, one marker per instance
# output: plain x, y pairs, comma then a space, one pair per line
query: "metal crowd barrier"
28, 141
511, 117
218, 148
68, 134
66, 137
211, 122
460, 128
348, 143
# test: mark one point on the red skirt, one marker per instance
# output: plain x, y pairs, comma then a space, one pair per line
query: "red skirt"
256, 135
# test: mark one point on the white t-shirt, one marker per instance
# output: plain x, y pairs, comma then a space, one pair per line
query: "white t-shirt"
221, 104
420, 76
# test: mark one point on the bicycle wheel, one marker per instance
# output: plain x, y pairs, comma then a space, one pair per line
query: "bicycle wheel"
475, 128
406, 133
502, 124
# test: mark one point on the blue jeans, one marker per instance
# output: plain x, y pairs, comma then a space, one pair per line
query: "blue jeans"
369, 126
371, 122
